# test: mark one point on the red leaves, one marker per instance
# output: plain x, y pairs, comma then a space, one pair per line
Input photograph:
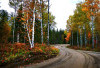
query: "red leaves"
3, 61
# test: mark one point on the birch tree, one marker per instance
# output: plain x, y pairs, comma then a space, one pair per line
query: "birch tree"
41, 21
91, 8
30, 13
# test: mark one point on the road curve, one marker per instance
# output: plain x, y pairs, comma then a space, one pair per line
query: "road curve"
69, 58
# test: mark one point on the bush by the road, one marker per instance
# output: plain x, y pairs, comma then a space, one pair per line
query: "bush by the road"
20, 53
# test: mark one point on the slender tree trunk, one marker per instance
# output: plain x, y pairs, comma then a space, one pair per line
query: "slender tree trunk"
41, 21
14, 30
28, 32
96, 41
92, 30
24, 33
17, 37
80, 38
77, 40
14, 25
85, 38
92, 34
72, 38
33, 26
89, 42
48, 23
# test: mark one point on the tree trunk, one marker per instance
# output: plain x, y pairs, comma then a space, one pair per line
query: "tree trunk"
28, 32
24, 33
48, 23
14, 26
72, 38
17, 37
41, 22
85, 38
96, 41
13, 32
77, 40
92, 34
33, 27
80, 38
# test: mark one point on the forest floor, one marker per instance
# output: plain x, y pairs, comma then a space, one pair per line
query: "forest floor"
69, 58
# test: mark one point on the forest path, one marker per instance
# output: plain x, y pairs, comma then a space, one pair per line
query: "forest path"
69, 58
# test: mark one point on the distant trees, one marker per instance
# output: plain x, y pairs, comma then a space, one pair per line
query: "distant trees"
57, 37
78, 26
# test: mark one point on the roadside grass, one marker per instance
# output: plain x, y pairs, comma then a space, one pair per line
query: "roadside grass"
21, 54
87, 48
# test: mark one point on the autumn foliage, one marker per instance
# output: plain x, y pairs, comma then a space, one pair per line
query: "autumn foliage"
21, 50
91, 7
68, 36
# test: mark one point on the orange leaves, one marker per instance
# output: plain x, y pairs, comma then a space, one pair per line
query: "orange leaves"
89, 35
31, 5
37, 49
85, 9
68, 36
92, 13
23, 19
88, 16
30, 30
95, 6
89, 7
53, 48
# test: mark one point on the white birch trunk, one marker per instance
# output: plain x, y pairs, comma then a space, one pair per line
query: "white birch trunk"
28, 31
41, 22
28, 28
77, 40
33, 28
14, 25
17, 37
80, 38
48, 23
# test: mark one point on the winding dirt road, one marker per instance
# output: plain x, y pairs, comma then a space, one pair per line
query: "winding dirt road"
69, 58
